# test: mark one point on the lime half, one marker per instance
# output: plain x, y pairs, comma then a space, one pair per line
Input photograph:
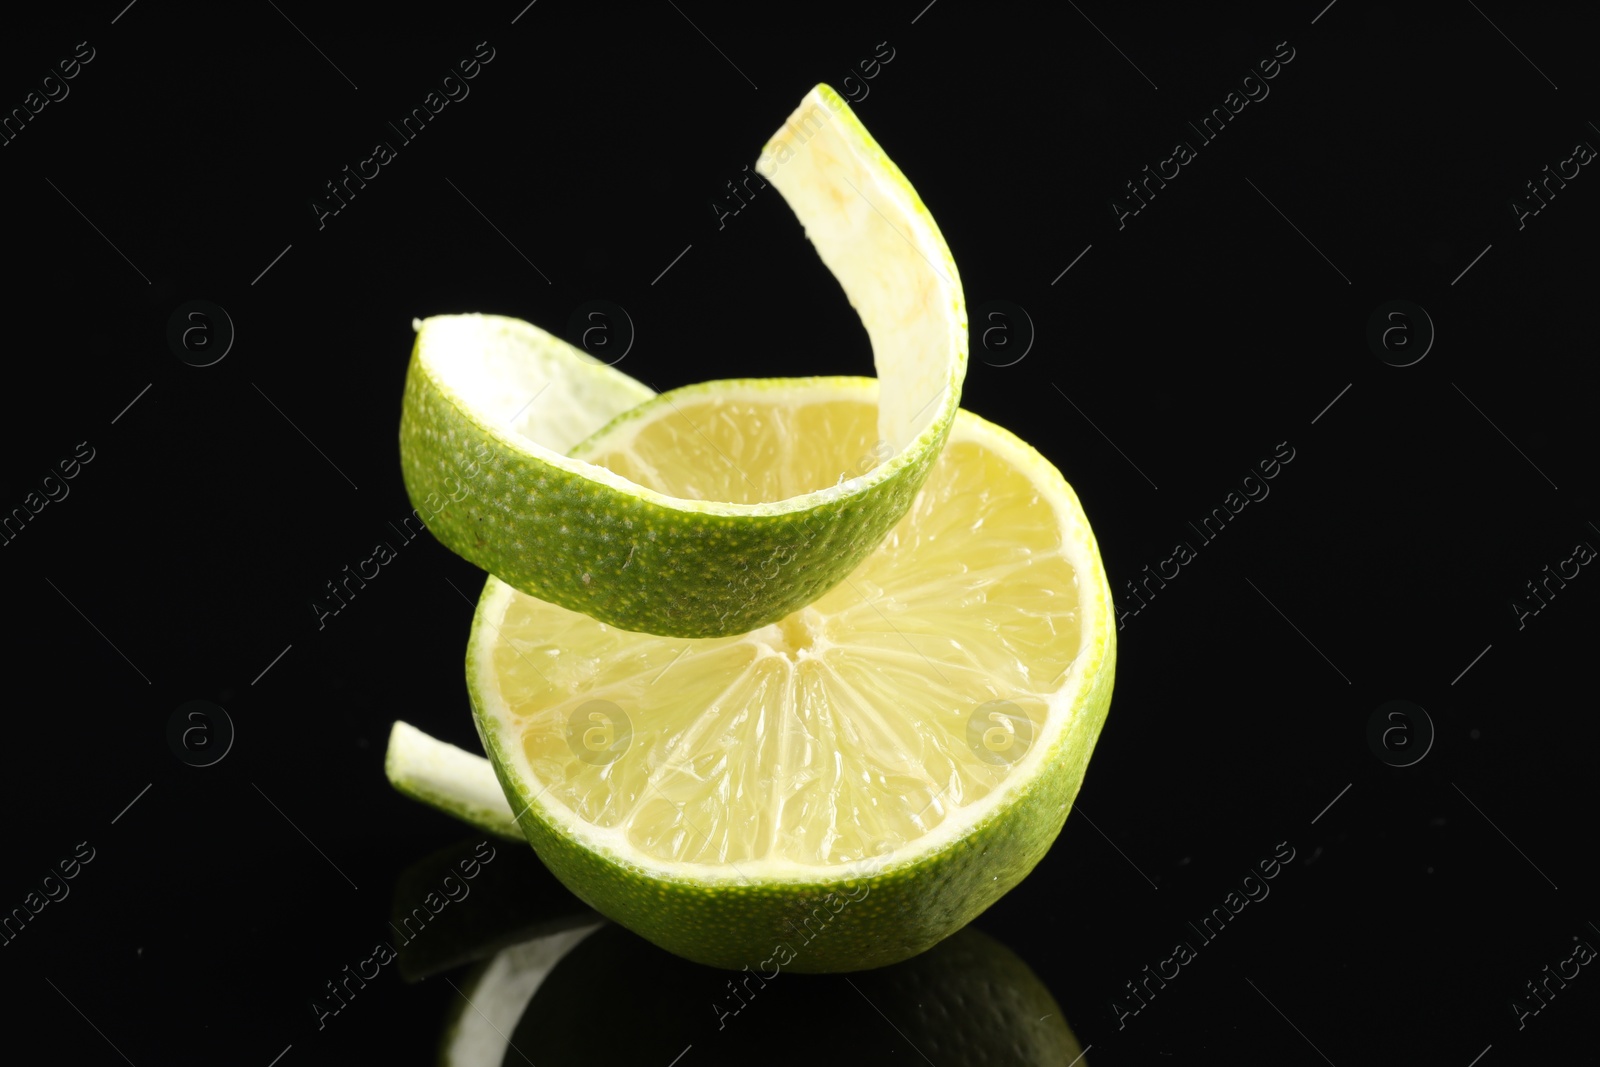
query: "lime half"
876, 768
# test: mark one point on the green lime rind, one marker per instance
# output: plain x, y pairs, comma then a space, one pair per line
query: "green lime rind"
504, 492
451, 779
632, 557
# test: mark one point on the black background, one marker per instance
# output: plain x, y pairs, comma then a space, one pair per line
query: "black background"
1178, 350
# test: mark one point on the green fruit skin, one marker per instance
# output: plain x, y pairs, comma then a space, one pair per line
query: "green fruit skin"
620, 559
903, 911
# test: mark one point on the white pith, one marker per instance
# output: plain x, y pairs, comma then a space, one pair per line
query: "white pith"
435, 771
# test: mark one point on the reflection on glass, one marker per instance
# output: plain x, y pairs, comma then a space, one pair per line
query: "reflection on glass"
463, 903
601, 995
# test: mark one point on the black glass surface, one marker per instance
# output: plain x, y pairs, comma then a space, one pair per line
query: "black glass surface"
1352, 244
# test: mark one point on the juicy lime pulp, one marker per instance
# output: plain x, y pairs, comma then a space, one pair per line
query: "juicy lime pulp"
940, 703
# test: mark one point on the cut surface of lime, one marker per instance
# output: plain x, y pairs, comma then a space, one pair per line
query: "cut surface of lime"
903, 750
493, 406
